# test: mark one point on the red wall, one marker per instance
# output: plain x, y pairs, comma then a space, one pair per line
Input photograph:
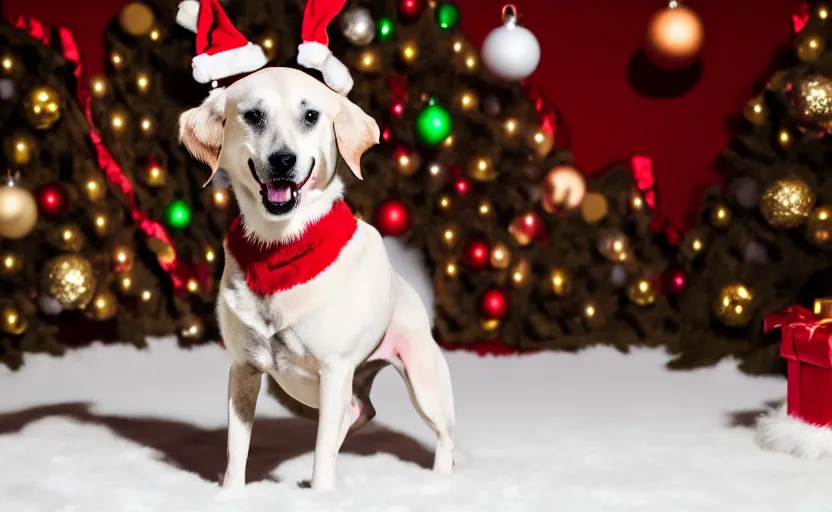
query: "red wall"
587, 46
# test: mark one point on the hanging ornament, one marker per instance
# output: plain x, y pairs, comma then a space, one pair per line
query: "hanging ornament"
12, 321
123, 258
53, 199
482, 169
462, 186
500, 257
411, 9
447, 15
733, 305
49, 305
154, 174
526, 228
561, 282
810, 47
520, 273
510, 52
433, 124
136, 19
563, 186
18, 210
674, 281
476, 254
192, 328
42, 107
755, 111
811, 99
386, 29
693, 244
594, 207
619, 275
642, 292
613, 245
674, 37
393, 218
819, 226
358, 26
494, 304
10, 264
720, 216
787, 202
20, 149
67, 237
102, 307
178, 214
70, 280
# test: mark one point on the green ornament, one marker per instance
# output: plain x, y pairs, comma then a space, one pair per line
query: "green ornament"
386, 28
434, 124
178, 214
447, 15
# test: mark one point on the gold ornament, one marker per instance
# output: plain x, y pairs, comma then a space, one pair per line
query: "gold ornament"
408, 52
810, 48
594, 207
500, 256
42, 107
125, 282
70, 280
369, 61
642, 292
561, 282
10, 264
720, 216
101, 224
136, 19
142, 82
482, 169
542, 143
614, 245
192, 328
733, 305
103, 306
123, 258
67, 237
98, 86
693, 244
20, 149
755, 111
18, 212
520, 273
146, 125
269, 46
822, 307
94, 189
812, 99
674, 37
467, 100
563, 186
155, 176
787, 202
13, 321
819, 225
525, 228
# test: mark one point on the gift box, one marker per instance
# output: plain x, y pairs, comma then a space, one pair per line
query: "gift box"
804, 426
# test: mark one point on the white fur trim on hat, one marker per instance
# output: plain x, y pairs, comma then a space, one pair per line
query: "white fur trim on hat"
318, 56
187, 14
777, 431
228, 63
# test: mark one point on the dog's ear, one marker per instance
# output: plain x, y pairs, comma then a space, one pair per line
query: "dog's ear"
201, 129
355, 132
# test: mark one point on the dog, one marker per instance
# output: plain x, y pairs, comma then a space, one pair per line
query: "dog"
308, 294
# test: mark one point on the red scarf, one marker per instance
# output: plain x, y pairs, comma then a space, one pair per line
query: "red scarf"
280, 266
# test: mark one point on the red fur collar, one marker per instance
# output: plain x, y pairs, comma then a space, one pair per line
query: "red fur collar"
280, 266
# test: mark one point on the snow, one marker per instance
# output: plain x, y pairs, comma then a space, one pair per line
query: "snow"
117, 429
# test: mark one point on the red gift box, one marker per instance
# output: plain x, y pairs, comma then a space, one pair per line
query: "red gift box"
807, 346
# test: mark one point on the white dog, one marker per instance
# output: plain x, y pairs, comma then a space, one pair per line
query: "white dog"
308, 294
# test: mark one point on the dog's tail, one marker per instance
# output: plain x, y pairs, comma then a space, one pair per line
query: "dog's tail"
410, 264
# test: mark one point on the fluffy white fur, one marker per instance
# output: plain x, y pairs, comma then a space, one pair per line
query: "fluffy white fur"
187, 13
228, 63
410, 264
313, 337
777, 431
318, 56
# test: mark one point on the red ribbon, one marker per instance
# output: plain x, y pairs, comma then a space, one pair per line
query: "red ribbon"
791, 315
801, 17
547, 115
642, 169
106, 162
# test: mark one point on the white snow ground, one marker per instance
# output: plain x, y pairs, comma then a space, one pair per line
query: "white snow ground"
111, 429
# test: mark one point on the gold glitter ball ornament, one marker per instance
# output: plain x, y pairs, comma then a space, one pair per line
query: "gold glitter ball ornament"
642, 292
70, 280
103, 306
733, 305
12, 321
42, 107
819, 226
787, 203
812, 99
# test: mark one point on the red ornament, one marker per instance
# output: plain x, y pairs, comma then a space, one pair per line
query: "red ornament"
393, 218
674, 281
411, 9
385, 134
526, 228
462, 186
476, 254
494, 304
397, 109
52, 199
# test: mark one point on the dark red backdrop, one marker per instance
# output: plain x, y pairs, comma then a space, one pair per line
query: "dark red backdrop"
587, 48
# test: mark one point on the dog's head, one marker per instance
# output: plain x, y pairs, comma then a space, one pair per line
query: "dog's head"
277, 134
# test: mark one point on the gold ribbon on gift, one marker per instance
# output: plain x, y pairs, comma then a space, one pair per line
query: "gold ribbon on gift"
823, 309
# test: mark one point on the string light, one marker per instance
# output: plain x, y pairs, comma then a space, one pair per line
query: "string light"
784, 138
210, 255
451, 269
434, 170
146, 125
468, 100
98, 86
589, 310
823, 12
449, 236
116, 59
458, 46
7, 63
444, 202
449, 141
118, 122
146, 295
192, 285
368, 61
221, 198
155, 35
510, 126
101, 224
484, 208
471, 62
125, 283
409, 52
142, 82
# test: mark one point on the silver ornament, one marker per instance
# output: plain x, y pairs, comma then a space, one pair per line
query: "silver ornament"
618, 276
755, 253
747, 191
358, 26
49, 305
7, 89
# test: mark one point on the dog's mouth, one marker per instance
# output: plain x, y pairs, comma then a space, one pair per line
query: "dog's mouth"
281, 196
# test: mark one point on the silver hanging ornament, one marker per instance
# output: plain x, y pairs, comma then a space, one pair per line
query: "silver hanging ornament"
358, 26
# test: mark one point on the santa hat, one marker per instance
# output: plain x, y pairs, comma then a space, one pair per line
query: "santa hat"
221, 50
314, 52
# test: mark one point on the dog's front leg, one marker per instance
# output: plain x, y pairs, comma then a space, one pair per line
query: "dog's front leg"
334, 418
243, 387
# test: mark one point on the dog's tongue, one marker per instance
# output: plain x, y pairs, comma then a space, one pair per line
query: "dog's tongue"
279, 192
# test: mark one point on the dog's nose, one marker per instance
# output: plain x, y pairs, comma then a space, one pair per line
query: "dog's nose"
282, 162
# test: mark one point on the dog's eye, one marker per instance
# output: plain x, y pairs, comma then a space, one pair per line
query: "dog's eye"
254, 117
311, 117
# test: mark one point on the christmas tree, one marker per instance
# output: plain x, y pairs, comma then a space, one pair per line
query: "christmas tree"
762, 242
